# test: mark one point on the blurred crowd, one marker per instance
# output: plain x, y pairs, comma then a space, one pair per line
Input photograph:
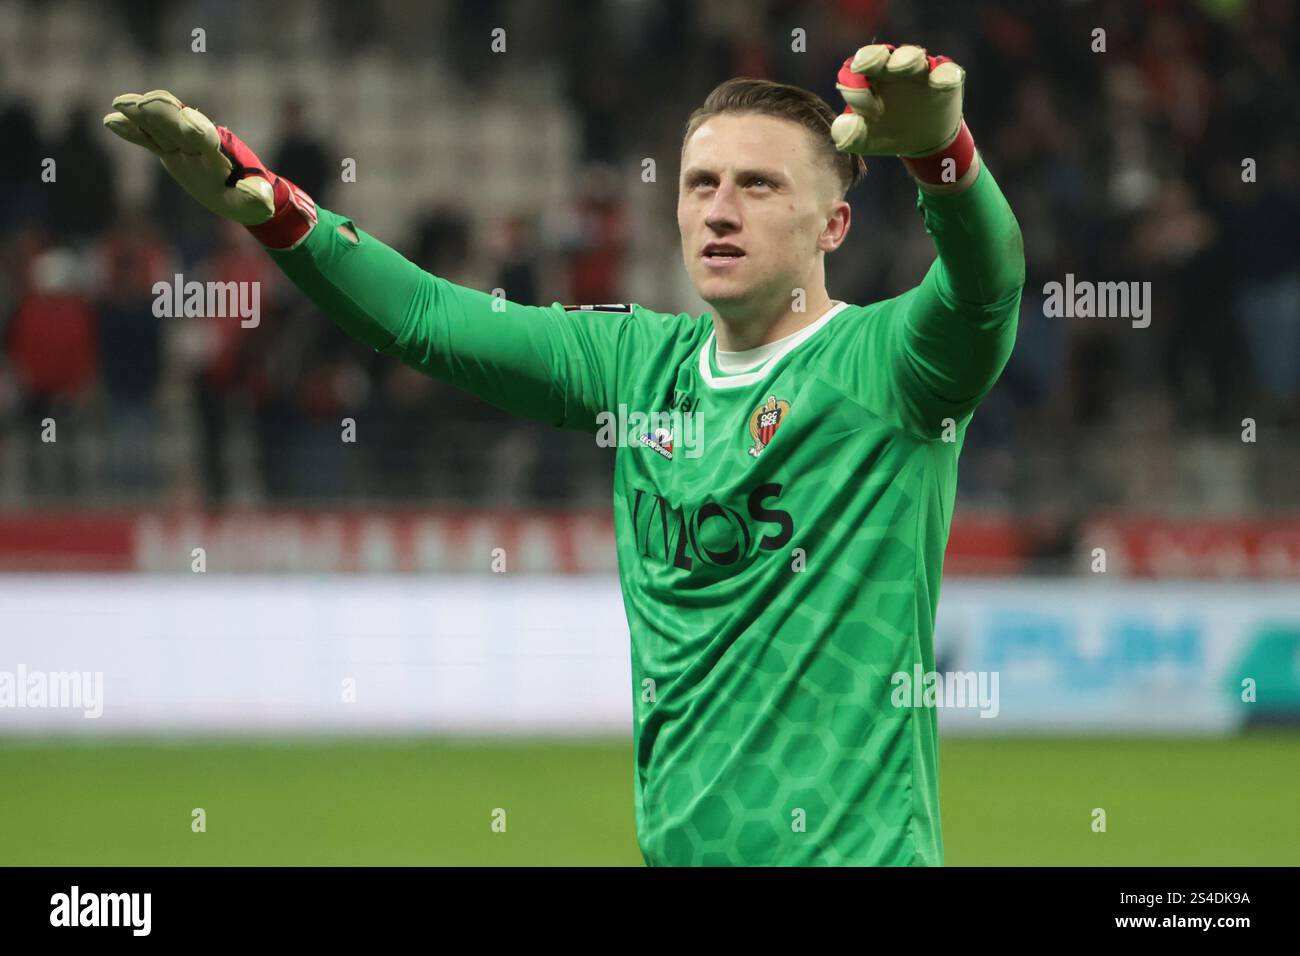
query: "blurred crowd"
1171, 155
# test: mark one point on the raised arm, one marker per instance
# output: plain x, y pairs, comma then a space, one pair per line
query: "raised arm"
544, 363
953, 333
946, 341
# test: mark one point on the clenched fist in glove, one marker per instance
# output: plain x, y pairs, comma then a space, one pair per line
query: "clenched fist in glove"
903, 102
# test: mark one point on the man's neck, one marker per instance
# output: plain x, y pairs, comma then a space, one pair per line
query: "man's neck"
739, 333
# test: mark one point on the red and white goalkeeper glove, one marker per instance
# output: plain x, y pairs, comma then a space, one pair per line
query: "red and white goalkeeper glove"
215, 166
903, 102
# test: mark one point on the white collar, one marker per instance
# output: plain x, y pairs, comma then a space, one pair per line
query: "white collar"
732, 363
753, 363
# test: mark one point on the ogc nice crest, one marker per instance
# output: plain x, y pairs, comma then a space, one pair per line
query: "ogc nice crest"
764, 421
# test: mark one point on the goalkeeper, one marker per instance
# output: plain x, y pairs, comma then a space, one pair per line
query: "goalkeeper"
778, 580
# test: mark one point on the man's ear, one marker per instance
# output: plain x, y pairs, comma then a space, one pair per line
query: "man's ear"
837, 226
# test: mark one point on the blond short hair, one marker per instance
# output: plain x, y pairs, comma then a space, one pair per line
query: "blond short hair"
748, 95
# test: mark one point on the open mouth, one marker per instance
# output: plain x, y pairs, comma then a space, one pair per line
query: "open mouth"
721, 252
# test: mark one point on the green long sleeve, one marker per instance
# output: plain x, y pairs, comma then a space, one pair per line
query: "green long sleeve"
960, 325
541, 362
932, 353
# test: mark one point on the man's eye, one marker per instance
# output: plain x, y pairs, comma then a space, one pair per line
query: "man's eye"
759, 181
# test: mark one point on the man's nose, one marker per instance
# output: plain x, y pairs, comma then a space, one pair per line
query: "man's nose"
723, 214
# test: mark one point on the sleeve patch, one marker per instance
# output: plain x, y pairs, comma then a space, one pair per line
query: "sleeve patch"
620, 308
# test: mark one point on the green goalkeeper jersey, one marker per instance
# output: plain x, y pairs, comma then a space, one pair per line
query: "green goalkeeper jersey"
780, 529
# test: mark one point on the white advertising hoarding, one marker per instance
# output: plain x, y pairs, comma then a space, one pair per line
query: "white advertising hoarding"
525, 654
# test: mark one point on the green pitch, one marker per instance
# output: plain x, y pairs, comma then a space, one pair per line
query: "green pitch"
425, 801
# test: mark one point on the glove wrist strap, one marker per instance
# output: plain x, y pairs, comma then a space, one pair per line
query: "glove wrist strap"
295, 216
931, 169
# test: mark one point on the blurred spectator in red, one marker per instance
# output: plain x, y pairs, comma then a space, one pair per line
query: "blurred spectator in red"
51, 342
1180, 85
222, 366
595, 238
